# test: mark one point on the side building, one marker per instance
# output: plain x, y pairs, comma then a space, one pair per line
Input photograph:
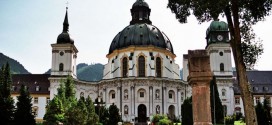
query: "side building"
38, 87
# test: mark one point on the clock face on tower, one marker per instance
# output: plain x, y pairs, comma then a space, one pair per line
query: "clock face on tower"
219, 37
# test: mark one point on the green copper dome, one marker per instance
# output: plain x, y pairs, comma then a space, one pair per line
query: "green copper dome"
217, 26
140, 32
140, 35
217, 32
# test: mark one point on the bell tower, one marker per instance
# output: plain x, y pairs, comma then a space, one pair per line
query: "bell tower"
219, 50
64, 53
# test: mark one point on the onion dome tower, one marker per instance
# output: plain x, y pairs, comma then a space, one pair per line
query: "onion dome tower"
64, 37
219, 49
140, 38
217, 32
64, 53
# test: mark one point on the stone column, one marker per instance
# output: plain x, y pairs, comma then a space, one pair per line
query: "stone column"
150, 100
132, 102
165, 101
179, 105
199, 78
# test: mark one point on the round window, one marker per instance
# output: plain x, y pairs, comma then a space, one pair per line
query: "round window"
221, 53
61, 53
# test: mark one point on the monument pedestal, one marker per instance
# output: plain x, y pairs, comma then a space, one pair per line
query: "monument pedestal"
199, 78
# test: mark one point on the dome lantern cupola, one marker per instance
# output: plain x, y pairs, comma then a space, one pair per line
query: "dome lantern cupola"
217, 32
64, 37
140, 12
140, 32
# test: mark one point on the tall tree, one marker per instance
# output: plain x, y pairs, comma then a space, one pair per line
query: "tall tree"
104, 115
241, 15
23, 113
114, 116
69, 87
55, 112
92, 117
81, 113
260, 114
6, 101
214, 97
187, 112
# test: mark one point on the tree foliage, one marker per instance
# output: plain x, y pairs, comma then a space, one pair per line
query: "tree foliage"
219, 111
187, 112
81, 113
263, 113
6, 101
65, 108
114, 116
92, 117
61, 103
240, 15
23, 113
54, 113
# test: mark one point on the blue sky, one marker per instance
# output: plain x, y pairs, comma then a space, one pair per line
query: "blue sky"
29, 27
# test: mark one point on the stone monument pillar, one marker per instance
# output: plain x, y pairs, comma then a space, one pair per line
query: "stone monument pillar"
199, 78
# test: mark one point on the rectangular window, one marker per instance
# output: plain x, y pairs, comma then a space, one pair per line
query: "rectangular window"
35, 99
47, 100
113, 96
37, 88
141, 94
257, 100
237, 100
170, 96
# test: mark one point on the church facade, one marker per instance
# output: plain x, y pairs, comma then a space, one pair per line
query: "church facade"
141, 77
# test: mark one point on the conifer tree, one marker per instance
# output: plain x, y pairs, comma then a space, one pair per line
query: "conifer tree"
187, 112
219, 111
77, 114
23, 113
6, 101
69, 88
114, 116
55, 112
92, 118
263, 113
260, 113
267, 108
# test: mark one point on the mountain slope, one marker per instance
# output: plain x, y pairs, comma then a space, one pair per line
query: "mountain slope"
15, 66
85, 72
93, 72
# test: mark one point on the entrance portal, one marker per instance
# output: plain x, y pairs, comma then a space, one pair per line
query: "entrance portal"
142, 113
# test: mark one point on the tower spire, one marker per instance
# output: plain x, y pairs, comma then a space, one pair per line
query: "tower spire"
66, 23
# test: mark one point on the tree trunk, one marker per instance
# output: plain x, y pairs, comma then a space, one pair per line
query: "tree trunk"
248, 102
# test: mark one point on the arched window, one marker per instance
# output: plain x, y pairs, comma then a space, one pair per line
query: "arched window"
221, 67
141, 66
126, 110
61, 67
158, 67
223, 92
125, 67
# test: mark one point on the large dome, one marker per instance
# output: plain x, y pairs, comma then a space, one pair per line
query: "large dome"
140, 32
140, 35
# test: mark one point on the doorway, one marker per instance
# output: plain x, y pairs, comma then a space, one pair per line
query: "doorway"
142, 113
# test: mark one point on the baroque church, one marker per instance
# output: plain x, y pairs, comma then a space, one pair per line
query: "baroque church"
141, 77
